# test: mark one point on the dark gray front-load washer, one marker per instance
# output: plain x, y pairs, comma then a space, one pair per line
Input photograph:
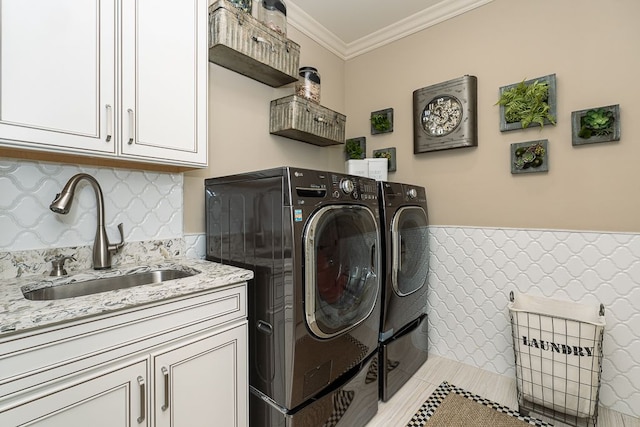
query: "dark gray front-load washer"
312, 239
403, 324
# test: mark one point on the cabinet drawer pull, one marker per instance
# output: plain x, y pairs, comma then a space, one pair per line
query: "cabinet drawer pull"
143, 400
165, 374
131, 135
319, 119
109, 122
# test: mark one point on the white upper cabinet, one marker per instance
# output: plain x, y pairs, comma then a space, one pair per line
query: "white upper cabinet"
164, 80
117, 78
57, 76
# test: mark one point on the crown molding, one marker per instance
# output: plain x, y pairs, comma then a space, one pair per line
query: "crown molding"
308, 26
403, 28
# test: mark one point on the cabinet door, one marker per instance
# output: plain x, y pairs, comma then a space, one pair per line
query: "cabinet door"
204, 382
164, 80
112, 399
57, 75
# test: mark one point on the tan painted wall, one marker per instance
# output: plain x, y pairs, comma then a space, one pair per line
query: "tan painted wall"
239, 139
593, 47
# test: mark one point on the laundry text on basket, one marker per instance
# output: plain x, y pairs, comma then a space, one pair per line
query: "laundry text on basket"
559, 348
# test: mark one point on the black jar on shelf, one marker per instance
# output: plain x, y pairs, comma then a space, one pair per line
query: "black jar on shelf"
243, 5
308, 84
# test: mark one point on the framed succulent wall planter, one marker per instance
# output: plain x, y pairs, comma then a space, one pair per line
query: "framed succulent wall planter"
355, 148
601, 124
445, 115
528, 103
531, 156
389, 154
382, 121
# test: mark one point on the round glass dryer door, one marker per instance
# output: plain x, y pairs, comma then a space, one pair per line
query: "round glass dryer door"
341, 268
410, 250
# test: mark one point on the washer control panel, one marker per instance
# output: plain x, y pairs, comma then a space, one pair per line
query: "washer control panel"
313, 187
349, 187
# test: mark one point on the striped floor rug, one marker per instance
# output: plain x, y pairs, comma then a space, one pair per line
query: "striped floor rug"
451, 406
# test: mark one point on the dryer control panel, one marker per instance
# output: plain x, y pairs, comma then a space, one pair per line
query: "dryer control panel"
397, 194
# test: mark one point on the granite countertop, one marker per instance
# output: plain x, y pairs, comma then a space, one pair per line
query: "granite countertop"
18, 314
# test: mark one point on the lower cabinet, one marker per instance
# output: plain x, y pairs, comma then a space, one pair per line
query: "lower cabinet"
104, 399
195, 377
202, 383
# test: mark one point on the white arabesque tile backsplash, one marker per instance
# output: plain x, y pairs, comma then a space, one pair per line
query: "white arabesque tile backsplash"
472, 269
149, 204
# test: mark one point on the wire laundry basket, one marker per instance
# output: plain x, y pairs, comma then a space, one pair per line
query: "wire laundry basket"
558, 354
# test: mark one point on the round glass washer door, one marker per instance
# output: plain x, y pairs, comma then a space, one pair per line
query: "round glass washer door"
410, 250
341, 268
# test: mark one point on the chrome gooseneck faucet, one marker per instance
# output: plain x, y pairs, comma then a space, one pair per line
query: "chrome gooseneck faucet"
102, 249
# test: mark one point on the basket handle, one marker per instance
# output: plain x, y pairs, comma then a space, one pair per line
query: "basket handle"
259, 39
601, 309
511, 297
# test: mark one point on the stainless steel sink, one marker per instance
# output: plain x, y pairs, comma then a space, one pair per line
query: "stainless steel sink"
94, 286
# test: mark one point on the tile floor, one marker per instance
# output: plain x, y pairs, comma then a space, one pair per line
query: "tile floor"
501, 389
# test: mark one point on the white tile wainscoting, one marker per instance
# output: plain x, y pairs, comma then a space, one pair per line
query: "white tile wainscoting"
474, 269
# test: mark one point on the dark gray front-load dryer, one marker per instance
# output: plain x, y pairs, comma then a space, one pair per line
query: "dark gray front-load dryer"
403, 325
312, 239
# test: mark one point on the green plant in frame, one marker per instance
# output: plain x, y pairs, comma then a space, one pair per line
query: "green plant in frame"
383, 155
389, 154
529, 157
353, 148
527, 103
596, 122
380, 122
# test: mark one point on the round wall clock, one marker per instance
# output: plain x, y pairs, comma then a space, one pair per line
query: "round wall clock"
442, 116
445, 115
